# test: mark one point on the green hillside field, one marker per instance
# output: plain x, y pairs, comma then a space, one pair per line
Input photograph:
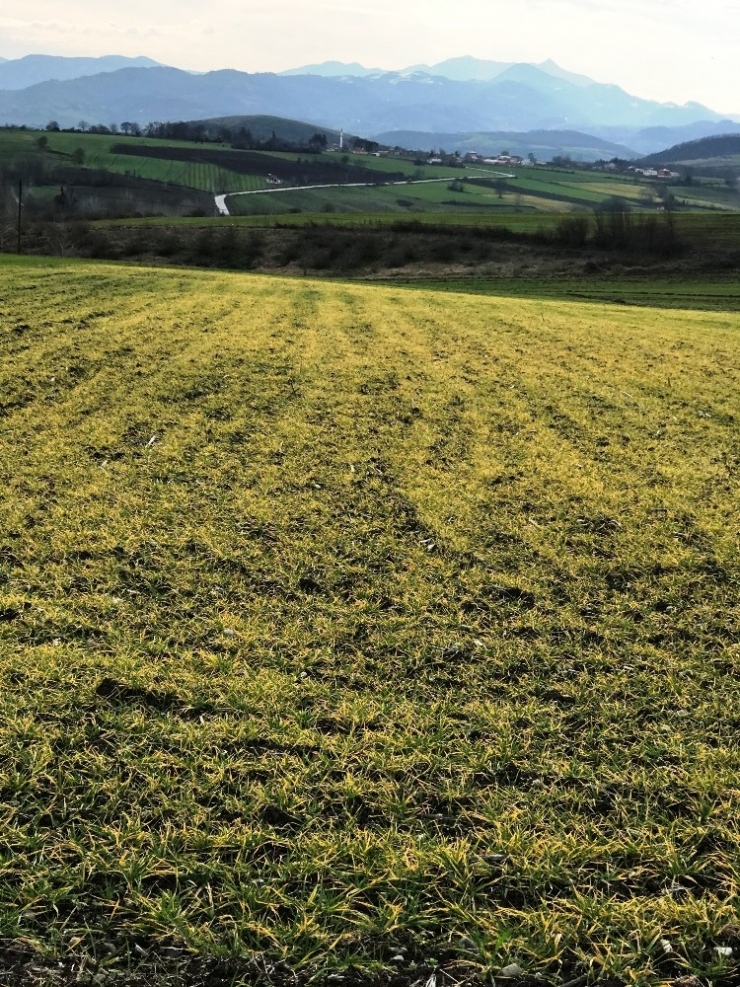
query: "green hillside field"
179, 177
364, 632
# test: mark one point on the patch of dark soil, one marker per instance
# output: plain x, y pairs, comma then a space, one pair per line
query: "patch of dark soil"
278, 818
500, 593
119, 694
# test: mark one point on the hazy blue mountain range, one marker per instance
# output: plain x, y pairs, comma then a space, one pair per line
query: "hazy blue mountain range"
463, 69
484, 97
20, 73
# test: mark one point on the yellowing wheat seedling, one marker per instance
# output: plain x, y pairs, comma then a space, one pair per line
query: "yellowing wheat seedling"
348, 628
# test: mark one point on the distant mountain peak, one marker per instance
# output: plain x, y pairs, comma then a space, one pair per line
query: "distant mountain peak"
552, 68
461, 68
31, 70
333, 70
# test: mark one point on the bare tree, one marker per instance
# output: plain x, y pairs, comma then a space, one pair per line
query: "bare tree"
8, 214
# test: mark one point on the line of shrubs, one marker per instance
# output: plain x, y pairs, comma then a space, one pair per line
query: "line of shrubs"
309, 248
323, 247
612, 226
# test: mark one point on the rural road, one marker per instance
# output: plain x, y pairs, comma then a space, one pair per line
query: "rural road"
224, 209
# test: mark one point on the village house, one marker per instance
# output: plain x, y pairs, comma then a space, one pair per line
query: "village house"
504, 159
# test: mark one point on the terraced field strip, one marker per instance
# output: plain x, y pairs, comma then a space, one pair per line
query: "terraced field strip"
678, 292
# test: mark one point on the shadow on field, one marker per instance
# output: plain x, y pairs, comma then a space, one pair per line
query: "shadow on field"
171, 966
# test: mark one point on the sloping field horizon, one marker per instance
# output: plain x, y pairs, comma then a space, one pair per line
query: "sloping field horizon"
365, 632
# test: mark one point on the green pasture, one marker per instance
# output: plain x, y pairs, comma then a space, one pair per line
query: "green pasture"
342, 200
406, 199
205, 177
647, 291
711, 230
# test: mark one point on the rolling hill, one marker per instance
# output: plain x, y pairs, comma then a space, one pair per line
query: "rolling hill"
262, 127
718, 149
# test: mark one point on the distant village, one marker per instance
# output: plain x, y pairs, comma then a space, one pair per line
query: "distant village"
357, 145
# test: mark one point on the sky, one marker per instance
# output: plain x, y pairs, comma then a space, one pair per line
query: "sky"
669, 50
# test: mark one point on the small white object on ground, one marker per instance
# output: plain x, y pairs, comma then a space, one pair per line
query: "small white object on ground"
512, 970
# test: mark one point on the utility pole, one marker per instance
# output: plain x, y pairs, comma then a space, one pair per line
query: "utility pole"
20, 209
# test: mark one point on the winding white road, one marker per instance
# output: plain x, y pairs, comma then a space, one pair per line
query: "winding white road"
223, 209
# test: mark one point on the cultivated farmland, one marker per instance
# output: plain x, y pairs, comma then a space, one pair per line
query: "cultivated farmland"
364, 631
72, 175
